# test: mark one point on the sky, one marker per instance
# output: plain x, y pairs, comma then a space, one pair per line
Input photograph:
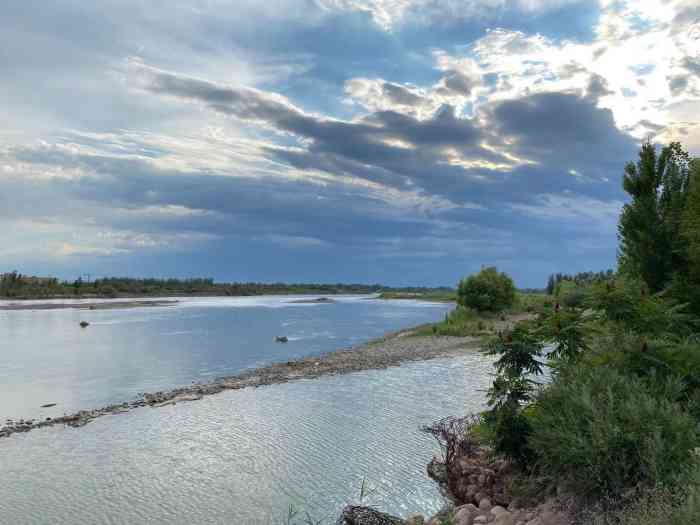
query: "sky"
404, 142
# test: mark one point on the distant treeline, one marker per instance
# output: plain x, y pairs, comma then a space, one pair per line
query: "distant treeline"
16, 285
579, 279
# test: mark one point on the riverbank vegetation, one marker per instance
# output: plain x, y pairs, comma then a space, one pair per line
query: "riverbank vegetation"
598, 395
437, 295
486, 302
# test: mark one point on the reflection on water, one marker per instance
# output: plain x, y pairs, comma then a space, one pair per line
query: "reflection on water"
45, 357
241, 457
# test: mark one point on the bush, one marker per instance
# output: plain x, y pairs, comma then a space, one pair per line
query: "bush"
488, 291
628, 303
509, 430
570, 294
108, 291
460, 322
519, 353
604, 433
659, 506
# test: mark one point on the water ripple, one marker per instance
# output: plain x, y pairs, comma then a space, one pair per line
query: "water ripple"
244, 456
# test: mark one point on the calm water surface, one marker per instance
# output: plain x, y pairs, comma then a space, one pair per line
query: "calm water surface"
240, 457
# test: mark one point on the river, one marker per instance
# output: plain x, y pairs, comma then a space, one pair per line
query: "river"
237, 457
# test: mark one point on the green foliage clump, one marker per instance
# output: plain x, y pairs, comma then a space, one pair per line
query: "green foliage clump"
628, 303
568, 332
460, 322
689, 289
604, 432
487, 291
659, 506
519, 353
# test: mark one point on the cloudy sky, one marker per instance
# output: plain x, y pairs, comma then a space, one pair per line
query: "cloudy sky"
394, 141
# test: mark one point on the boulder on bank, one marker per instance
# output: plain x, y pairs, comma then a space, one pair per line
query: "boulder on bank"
357, 515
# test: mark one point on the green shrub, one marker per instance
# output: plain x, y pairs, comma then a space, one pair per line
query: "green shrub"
570, 294
669, 366
628, 303
603, 432
509, 431
659, 506
460, 322
519, 352
487, 291
566, 329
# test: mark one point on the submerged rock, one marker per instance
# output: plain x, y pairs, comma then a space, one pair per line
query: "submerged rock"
84, 324
356, 515
316, 300
281, 338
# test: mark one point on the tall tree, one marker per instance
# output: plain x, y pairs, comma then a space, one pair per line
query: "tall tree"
651, 244
690, 229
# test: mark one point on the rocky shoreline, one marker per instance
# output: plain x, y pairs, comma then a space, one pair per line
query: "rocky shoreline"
391, 350
476, 487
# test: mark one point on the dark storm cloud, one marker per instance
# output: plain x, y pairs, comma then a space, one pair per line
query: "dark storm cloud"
564, 132
597, 87
555, 132
367, 141
458, 83
236, 205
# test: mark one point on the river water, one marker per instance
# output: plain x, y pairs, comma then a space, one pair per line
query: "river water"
237, 457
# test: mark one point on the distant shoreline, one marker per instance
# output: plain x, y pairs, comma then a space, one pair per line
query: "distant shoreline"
92, 303
112, 305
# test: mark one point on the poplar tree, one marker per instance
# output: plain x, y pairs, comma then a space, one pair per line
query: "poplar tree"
690, 230
651, 244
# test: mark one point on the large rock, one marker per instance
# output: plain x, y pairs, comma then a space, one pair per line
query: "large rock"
437, 470
465, 514
355, 515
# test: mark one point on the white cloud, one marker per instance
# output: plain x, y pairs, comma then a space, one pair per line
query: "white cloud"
641, 65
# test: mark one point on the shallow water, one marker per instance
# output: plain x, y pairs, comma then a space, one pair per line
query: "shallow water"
45, 357
242, 457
